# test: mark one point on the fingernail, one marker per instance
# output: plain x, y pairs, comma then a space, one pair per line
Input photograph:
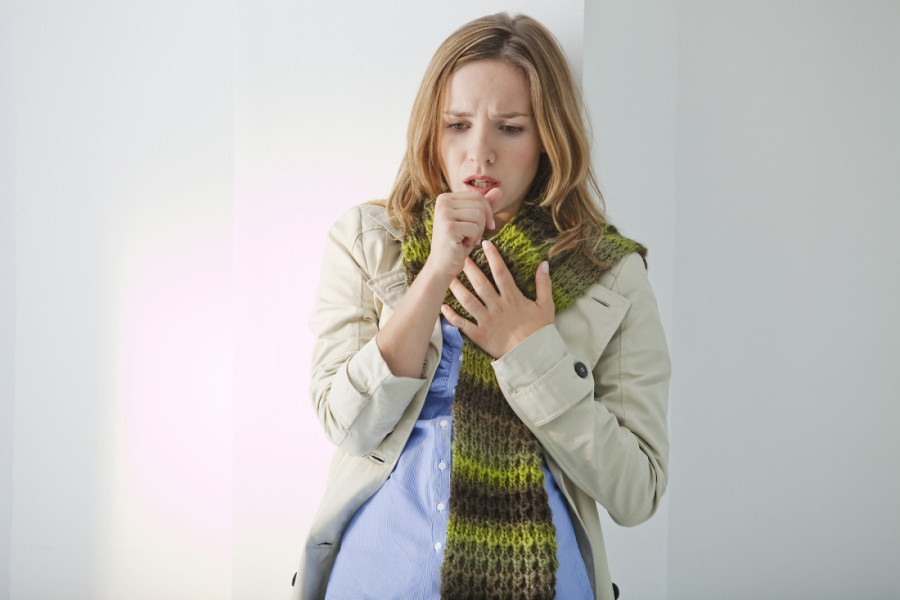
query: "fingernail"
545, 267
485, 243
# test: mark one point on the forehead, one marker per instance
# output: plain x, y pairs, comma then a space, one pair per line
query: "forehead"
490, 84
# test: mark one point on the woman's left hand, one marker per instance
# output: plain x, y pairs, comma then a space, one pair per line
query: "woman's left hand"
504, 316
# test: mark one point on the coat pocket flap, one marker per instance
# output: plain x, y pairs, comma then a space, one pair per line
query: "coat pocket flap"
598, 313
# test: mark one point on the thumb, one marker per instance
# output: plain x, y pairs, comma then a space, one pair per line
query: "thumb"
543, 285
494, 195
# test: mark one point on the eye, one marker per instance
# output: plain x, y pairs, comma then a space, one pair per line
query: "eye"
457, 126
511, 129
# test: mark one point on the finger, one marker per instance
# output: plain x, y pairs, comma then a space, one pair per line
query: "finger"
448, 199
456, 320
470, 218
451, 200
543, 286
492, 198
480, 283
474, 228
468, 234
467, 299
504, 279
469, 214
454, 197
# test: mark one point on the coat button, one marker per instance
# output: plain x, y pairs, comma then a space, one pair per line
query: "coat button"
581, 369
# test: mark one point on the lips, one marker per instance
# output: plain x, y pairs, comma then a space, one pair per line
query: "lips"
481, 183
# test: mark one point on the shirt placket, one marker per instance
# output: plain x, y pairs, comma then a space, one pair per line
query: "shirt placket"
443, 442
441, 504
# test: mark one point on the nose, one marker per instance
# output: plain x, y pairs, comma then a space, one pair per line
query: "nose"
481, 148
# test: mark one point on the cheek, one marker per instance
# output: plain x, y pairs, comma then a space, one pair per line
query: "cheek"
446, 155
528, 157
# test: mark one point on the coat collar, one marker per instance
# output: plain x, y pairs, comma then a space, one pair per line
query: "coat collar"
381, 217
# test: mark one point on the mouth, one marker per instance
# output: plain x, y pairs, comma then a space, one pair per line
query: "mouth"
481, 184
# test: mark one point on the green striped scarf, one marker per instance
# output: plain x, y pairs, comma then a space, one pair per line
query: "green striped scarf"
501, 542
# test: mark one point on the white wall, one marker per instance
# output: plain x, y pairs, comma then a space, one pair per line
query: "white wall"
123, 283
787, 335
323, 97
630, 65
7, 285
173, 170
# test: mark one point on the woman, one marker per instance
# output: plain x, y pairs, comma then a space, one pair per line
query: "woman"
489, 359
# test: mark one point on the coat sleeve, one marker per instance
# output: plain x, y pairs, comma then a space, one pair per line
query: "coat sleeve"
605, 426
357, 399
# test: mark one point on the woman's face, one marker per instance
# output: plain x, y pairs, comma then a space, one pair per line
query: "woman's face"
489, 137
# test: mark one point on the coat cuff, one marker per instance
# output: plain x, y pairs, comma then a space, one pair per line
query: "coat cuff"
370, 385
540, 379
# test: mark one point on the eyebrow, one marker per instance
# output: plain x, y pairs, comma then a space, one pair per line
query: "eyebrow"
466, 115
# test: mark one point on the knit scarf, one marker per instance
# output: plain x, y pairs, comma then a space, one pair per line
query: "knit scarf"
501, 542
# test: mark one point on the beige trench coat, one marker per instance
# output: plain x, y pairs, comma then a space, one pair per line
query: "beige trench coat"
603, 428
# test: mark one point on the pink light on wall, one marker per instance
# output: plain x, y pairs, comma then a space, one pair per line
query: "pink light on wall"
172, 474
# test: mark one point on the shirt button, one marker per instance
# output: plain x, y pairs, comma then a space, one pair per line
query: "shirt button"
437, 546
581, 369
440, 506
442, 465
444, 423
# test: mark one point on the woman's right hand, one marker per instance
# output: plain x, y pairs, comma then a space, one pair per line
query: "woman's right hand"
460, 220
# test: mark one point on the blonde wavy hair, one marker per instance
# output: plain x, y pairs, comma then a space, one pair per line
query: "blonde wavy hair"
565, 182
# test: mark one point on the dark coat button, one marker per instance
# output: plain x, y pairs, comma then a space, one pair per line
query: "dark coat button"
294, 580
581, 370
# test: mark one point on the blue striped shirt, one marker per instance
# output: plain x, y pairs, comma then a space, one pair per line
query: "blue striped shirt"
394, 544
